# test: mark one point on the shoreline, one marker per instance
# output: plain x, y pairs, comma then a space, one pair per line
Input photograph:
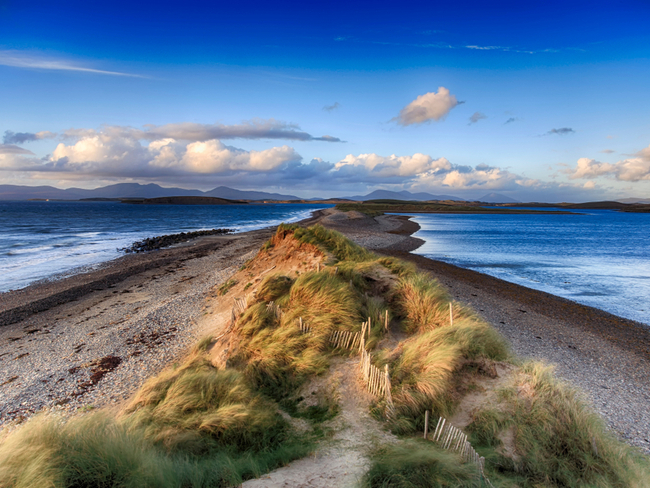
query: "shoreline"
149, 308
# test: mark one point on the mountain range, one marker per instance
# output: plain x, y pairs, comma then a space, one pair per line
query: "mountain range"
131, 190
136, 190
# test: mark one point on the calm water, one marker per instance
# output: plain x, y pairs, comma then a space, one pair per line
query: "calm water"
600, 259
44, 239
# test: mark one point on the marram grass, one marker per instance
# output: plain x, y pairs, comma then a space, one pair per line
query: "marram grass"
558, 440
418, 464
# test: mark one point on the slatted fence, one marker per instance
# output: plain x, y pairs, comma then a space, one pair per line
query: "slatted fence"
377, 381
273, 307
452, 438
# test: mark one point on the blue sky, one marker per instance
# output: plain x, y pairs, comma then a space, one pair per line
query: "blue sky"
545, 101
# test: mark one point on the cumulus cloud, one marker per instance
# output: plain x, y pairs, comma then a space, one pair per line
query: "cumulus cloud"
116, 154
374, 166
563, 131
23, 59
334, 106
631, 169
11, 149
105, 155
427, 107
476, 116
23, 137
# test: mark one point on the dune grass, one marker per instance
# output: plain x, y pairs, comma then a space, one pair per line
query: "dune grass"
558, 439
277, 355
418, 464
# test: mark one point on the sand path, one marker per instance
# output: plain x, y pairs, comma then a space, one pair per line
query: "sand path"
341, 461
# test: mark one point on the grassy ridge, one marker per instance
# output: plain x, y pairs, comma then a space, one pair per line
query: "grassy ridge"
196, 425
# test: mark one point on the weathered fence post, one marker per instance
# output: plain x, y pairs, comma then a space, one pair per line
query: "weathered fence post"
426, 423
451, 314
389, 396
386, 321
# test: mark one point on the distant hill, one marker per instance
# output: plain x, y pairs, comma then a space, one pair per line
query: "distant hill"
400, 195
634, 200
183, 201
497, 198
232, 194
130, 190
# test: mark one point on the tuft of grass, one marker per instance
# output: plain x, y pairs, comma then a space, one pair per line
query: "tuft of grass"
91, 450
198, 407
330, 241
96, 450
422, 302
397, 266
325, 302
225, 288
278, 357
274, 287
422, 375
418, 464
558, 440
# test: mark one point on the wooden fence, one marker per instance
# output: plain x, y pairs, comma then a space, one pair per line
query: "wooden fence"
452, 438
377, 381
273, 307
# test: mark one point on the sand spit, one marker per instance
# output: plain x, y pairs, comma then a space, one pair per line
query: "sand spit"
92, 339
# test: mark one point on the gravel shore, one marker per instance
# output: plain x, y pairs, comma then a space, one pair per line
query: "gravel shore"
606, 356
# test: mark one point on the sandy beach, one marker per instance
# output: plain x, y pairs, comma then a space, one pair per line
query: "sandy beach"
92, 339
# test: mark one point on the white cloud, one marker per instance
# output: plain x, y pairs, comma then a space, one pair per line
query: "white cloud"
632, 169
590, 168
392, 166
427, 107
467, 178
116, 154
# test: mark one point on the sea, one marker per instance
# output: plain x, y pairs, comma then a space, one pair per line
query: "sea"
50, 240
599, 258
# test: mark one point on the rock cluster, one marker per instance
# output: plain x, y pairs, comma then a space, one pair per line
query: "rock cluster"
158, 242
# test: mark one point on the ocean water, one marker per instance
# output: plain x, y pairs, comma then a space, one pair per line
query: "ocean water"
48, 240
598, 258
